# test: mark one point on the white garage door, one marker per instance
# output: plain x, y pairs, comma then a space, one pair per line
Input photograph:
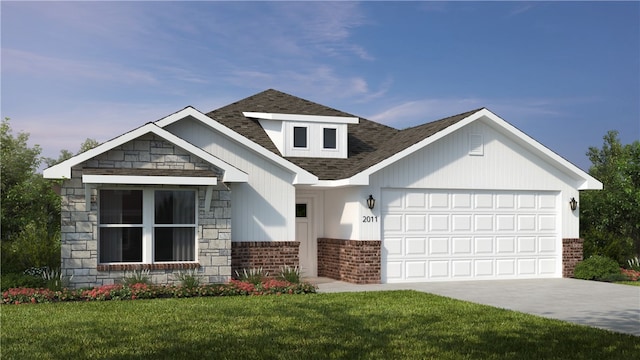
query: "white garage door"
432, 235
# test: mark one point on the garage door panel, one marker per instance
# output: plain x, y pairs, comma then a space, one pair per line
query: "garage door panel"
548, 266
484, 268
393, 246
416, 222
461, 201
505, 201
527, 266
461, 245
438, 201
506, 267
394, 270
484, 245
438, 222
461, 268
416, 201
547, 222
483, 201
526, 244
438, 245
483, 222
439, 269
526, 222
547, 245
416, 246
462, 222
436, 235
416, 269
506, 222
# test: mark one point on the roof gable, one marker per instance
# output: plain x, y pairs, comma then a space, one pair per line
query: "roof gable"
63, 169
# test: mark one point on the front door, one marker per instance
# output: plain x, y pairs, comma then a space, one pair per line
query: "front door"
305, 235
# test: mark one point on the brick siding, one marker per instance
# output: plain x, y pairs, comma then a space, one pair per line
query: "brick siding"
571, 255
353, 261
270, 256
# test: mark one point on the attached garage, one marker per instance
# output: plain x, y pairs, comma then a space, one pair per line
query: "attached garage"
444, 235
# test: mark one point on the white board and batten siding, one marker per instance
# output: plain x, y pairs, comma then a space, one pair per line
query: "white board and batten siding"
262, 209
472, 205
434, 234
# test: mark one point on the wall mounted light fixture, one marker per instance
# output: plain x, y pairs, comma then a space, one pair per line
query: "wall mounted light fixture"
371, 202
573, 204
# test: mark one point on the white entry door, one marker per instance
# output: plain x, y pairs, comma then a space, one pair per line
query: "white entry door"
308, 254
436, 234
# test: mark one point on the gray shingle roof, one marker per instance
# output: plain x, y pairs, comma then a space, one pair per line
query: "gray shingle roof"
369, 142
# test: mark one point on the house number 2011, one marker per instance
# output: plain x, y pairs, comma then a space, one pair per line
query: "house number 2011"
369, 219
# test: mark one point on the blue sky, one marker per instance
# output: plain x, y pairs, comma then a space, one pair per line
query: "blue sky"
564, 73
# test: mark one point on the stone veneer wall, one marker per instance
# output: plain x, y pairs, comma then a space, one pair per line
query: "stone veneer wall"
268, 255
571, 255
354, 261
79, 232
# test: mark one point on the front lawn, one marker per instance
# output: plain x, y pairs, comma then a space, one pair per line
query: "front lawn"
378, 325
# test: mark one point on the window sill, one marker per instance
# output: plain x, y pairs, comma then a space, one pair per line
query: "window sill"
131, 267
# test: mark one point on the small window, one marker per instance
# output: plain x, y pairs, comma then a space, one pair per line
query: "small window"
329, 138
299, 137
301, 210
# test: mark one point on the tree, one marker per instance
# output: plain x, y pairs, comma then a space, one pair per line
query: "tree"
88, 144
610, 218
29, 208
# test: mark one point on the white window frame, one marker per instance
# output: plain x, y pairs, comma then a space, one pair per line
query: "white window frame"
293, 137
336, 140
148, 225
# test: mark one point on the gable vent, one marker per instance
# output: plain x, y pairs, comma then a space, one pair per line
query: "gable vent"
476, 145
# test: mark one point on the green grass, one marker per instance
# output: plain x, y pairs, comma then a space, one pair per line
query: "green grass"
367, 325
632, 283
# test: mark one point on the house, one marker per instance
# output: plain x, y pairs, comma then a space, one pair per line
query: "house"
276, 180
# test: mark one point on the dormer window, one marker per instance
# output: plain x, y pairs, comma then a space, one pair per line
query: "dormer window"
302, 135
329, 138
299, 137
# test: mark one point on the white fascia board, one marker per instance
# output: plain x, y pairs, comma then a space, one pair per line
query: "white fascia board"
302, 176
302, 118
63, 170
149, 180
352, 181
587, 182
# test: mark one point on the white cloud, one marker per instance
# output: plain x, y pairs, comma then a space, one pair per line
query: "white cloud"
420, 111
18, 61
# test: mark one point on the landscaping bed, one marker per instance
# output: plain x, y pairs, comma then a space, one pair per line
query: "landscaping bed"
135, 291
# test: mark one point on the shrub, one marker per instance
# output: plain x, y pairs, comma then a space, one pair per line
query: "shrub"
252, 276
144, 291
136, 277
290, 274
632, 275
634, 264
188, 279
596, 268
54, 279
21, 280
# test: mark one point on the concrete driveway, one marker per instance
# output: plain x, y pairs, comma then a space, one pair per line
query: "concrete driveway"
603, 305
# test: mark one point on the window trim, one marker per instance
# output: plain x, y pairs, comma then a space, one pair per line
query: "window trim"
335, 139
148, 226
306, 137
